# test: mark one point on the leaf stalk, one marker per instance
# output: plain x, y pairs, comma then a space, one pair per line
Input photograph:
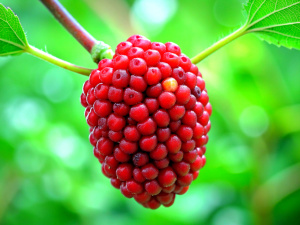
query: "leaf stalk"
198, 58
56, 61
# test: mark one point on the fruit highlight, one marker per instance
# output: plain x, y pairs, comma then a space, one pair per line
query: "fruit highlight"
148, 112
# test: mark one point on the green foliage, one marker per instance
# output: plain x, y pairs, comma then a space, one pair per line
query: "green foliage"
275, 21
12, 36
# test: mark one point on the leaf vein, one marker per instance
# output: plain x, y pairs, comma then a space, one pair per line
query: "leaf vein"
275, 25
249, 12
278, 10
276, 4
6, 21
257, 10
12, 43
10, 53
276, 32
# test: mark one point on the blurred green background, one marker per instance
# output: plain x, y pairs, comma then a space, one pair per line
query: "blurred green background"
48, 174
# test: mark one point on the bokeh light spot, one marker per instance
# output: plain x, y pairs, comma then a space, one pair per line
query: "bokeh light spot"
26, 114
28, 158
57, 184
154, 13
230, 216
57, 85
254, 121
67, 145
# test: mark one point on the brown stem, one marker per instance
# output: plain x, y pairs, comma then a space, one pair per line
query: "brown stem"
65, 18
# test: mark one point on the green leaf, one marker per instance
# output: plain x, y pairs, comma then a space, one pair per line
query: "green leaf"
276, 21
12, 36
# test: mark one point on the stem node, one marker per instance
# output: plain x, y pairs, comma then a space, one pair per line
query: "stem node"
101, 51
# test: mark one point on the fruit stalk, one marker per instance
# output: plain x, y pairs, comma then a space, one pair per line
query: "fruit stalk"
198, 58
56, 61
65, 18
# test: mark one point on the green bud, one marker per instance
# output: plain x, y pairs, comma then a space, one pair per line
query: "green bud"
101, 51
